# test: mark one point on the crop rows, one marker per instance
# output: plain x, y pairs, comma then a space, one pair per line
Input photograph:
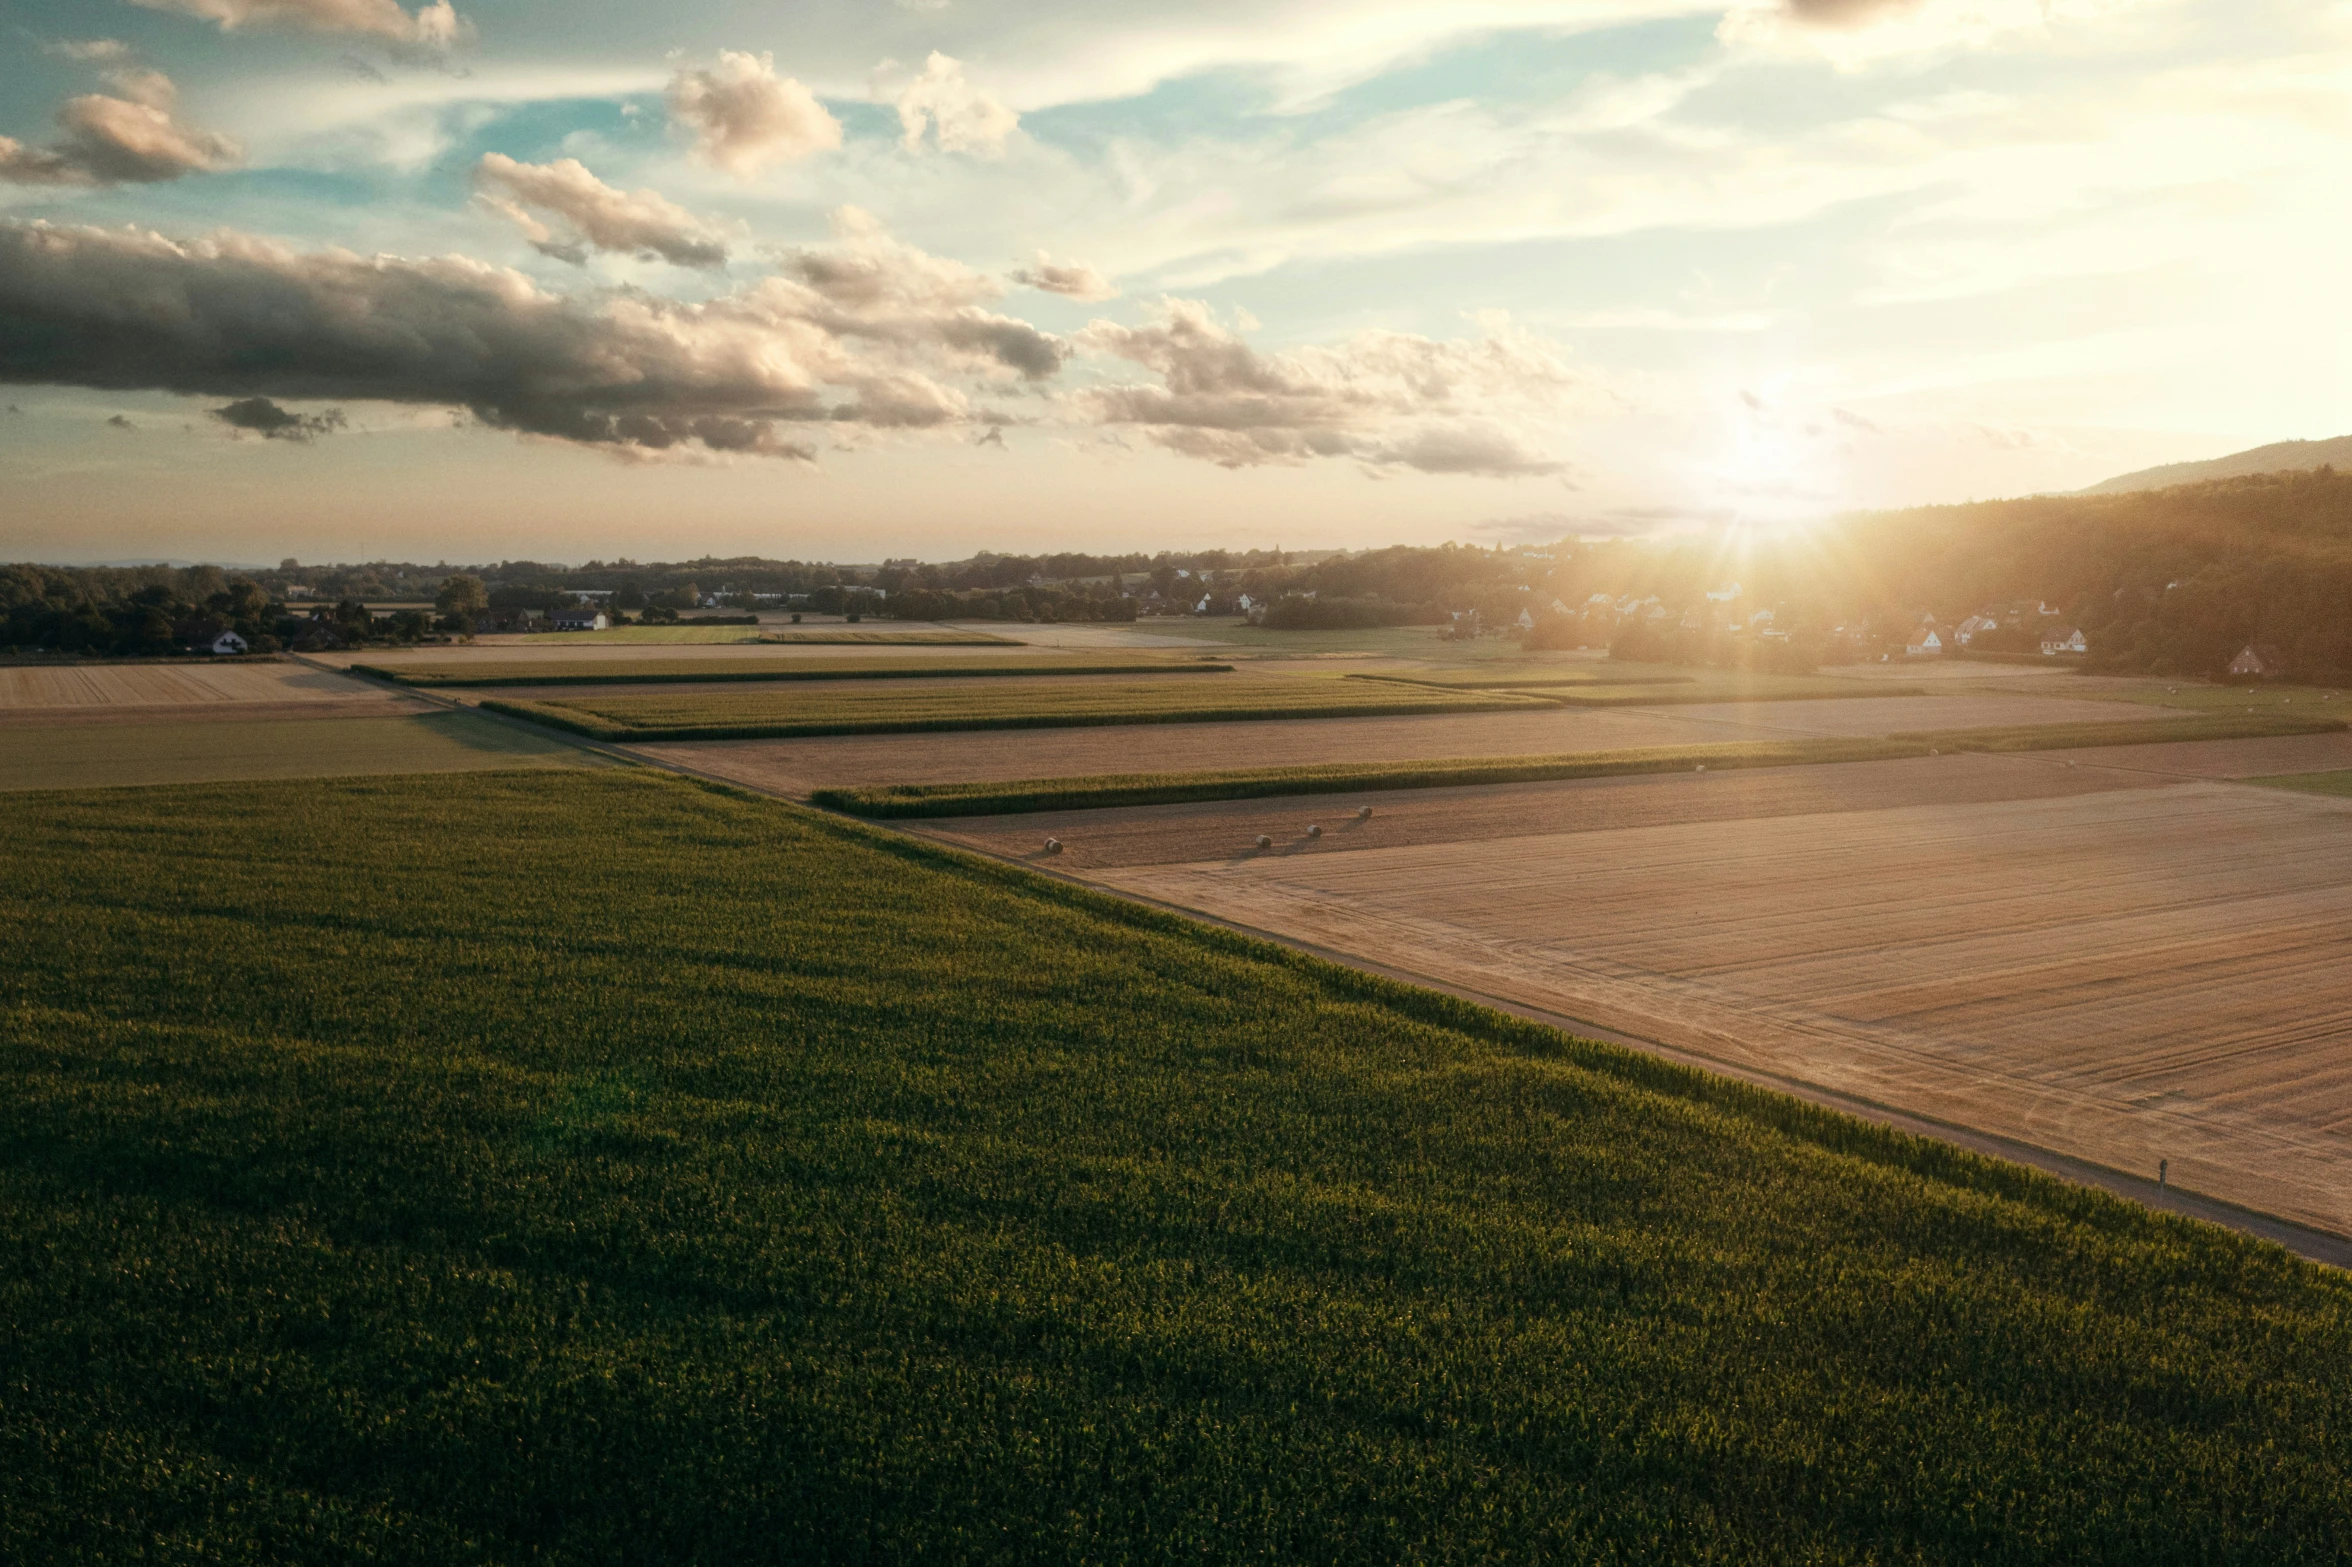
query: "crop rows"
759, 1189
1033, 705
614, 672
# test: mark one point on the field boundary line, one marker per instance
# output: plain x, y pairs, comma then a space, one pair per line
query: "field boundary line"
2314, 1245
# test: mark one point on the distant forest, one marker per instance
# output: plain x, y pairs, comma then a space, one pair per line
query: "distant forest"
2165, 582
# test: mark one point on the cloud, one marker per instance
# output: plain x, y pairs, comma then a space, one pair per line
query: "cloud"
744, 117
88, 49
434, 26
1387, 399
119, 141
869, 333
1845, 13
118, 422
1074, 278
272, 423
958, 116
591, 215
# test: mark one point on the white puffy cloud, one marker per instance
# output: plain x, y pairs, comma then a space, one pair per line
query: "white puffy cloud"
434, 26
1073, 278
744, 117
957, 116
1387, 399
869, 334
129, 140
590, 215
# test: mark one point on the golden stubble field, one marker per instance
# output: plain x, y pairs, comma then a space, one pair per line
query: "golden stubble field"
2109, 964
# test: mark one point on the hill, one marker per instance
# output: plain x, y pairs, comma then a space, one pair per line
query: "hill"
596, 1167
2161, 581
2280, 457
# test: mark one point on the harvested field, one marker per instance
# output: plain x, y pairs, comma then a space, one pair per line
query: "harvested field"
2218, 759
593, 672
218, 750
797, 767
1056, 794
1886, 715
2122, 976
1227, 830
171, 685
948, 705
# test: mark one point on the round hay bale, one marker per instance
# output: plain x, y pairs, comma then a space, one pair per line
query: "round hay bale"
1053, 845
1363, 813
1265, 842
1702, 767
1314, 832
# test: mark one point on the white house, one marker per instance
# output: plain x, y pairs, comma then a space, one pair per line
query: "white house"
2064, 642
1526, 621
227, 642
1924, 643
1971, 626
580, 617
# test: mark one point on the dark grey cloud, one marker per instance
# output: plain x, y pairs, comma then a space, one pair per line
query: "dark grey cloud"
241, 317
273, 423
118, 422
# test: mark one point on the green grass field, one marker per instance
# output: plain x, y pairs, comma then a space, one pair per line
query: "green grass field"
592, 1167
2237, 698
1014, 705
77, 756
687, 671
2338, 784
1006, 798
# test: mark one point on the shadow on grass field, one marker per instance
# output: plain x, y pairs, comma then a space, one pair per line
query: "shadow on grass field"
763, 1188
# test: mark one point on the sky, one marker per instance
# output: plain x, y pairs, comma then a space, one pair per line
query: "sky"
481, 279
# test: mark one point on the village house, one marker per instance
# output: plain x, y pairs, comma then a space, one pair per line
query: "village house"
2057, 642
227, 644
2259, 659
1966, 632
1924, 643
580, 617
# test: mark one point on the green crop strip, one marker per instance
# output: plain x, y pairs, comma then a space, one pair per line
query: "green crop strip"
640, 672
592, 1167
1033, 705
902, 801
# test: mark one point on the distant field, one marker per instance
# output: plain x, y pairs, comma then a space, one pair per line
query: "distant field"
590, 1167
673, 671
169, 684
2338, 784
1021, 705
821, 637
220, 749
1712, 686
990, 798
651, 634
